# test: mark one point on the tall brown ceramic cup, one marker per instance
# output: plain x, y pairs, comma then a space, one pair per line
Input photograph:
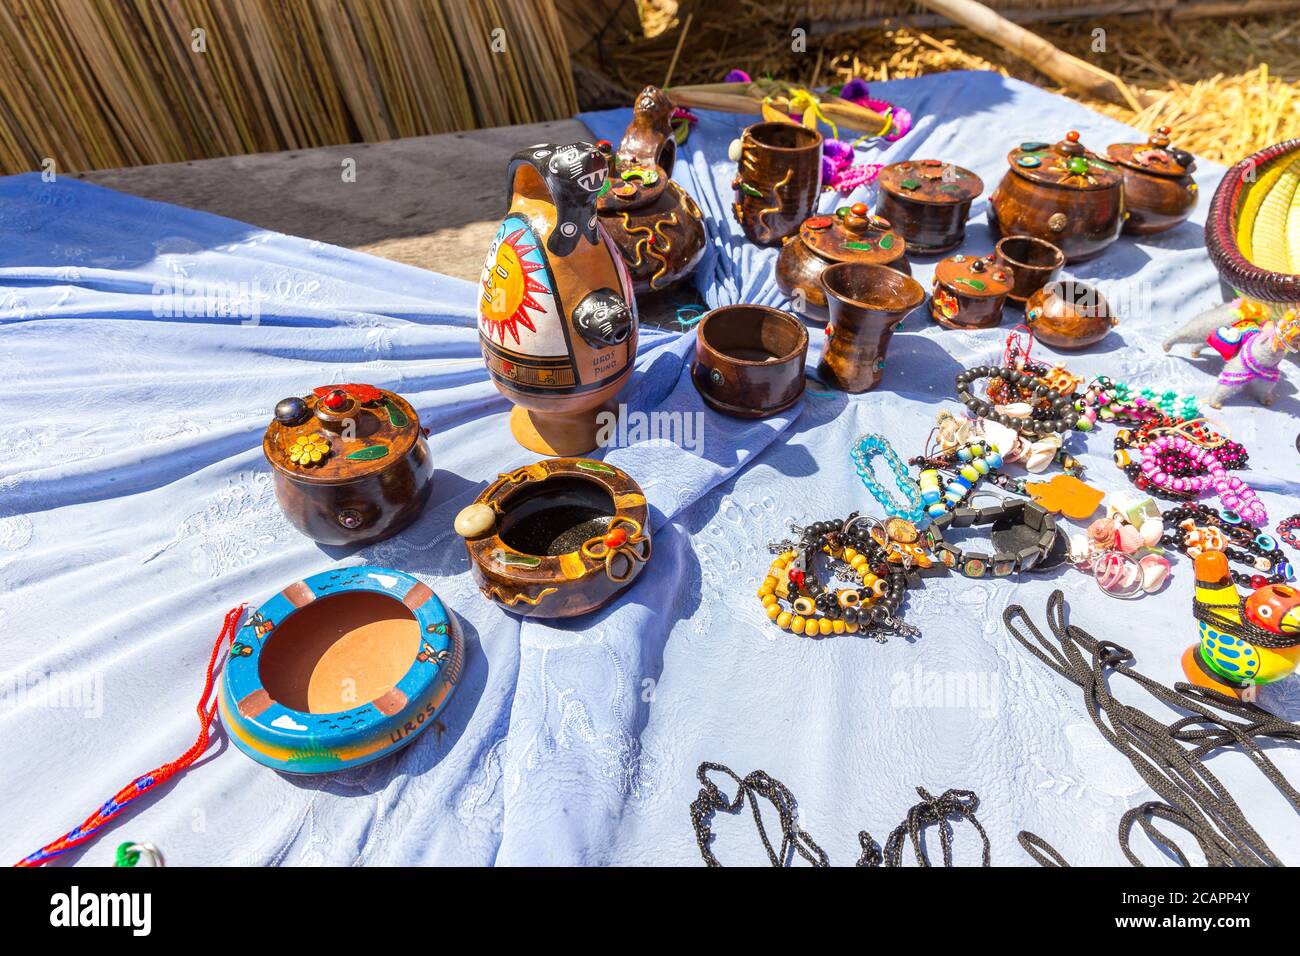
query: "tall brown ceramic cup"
778, 180
1032, 262
749, 360
867, 302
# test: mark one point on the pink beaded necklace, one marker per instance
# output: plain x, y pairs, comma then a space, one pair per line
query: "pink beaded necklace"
1210, 474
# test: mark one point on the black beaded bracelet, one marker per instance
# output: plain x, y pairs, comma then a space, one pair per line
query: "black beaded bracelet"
1255, 547
1065, 417
974, 564
835, 535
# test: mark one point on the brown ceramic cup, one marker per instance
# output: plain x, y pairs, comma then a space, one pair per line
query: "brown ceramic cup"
749, 360
1033, 263
1069, 315
778, 180
866, 302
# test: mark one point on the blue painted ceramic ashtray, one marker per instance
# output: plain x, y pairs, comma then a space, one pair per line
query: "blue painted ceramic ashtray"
339, 670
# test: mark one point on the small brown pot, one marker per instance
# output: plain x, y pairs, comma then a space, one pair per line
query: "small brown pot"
928, 201
1062, 193
749, 360
851, 235
1159, 191
969, 291
557, 538
777, 180
1033, 262
368, 472
1069, 315
867, 302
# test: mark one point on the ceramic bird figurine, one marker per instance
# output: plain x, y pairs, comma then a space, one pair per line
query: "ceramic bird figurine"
1243, 644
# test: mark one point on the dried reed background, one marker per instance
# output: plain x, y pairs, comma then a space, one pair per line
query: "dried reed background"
106, 83
1228, 86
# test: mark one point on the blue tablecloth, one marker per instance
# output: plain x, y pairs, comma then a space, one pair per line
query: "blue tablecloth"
136, 508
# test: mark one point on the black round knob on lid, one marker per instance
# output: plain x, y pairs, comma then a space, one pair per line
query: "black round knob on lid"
291, 411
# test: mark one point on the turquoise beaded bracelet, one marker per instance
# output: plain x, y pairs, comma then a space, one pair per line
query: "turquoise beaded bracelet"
867, 447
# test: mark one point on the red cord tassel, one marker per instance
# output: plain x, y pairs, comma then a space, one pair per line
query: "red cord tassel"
143, 784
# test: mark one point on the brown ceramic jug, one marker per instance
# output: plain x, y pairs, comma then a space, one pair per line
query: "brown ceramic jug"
867, 302
1062, 193
1159, 191
655, 223
557, 318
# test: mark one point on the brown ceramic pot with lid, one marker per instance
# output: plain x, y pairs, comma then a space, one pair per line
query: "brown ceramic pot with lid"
851, 235
928, 201
351, 463
969, 292
658, 228
1159, 191
1063, 193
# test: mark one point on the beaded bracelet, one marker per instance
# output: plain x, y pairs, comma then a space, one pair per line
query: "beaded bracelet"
819, 611
1065, 417
1117, 401
1286, 531
976, 461
1001, 563
1208, 473
1231, 454
1195, 528
867, 447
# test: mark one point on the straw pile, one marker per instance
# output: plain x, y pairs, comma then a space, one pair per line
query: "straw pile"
1228, 87
105, 83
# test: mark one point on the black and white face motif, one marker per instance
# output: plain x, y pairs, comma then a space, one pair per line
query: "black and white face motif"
603, 319
574, 175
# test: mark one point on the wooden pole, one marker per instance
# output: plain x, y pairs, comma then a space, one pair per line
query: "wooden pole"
1065, 69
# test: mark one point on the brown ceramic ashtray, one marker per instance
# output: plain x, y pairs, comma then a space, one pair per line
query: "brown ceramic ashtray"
929, 202
1069, 315
749, 360
1033, 263
557, 538
969, 291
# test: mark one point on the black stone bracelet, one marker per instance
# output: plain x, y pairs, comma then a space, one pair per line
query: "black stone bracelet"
974, 564
1254, 546
1065, 417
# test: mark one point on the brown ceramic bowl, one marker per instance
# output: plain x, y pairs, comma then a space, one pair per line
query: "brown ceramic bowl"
1033, 262
778, 180
867, 302
1069, 315
749, 360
